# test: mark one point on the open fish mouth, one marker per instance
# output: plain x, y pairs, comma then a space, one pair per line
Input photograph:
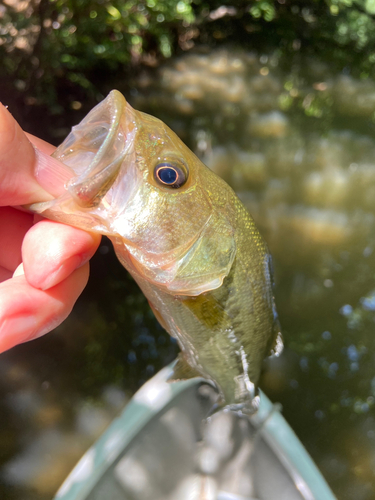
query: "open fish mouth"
94, 152
96, 148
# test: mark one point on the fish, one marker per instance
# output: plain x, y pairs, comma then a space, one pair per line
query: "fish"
184, 236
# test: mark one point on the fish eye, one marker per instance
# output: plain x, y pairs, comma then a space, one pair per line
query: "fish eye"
170, 174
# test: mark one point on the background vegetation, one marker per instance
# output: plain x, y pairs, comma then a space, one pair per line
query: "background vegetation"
59, 58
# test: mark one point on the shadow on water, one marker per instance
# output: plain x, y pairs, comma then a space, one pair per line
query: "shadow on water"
298, 147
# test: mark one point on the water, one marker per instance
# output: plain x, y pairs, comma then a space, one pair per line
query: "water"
298, 146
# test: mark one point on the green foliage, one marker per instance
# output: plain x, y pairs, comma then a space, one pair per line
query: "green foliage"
65, 54
77, 42
264, 9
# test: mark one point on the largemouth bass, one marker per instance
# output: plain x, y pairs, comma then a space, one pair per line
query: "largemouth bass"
183, 235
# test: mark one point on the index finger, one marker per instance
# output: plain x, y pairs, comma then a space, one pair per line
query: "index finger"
27, 174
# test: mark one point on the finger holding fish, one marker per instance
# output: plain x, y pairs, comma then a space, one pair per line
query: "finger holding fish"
42, 264
27, 313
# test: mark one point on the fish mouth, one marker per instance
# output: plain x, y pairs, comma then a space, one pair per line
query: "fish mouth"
93, 154
96, 148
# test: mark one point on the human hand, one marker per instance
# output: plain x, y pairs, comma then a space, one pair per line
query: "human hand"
43, 265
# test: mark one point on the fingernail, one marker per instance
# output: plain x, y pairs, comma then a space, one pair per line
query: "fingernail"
17, 329
19, 271
66, 268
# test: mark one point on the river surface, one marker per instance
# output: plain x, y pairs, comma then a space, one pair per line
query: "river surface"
298, 146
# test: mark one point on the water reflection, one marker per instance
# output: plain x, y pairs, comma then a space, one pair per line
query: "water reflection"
297, 144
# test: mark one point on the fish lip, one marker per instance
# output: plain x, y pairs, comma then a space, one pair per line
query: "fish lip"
89, 187
89, 160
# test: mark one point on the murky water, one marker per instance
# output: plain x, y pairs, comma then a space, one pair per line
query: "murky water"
298, 146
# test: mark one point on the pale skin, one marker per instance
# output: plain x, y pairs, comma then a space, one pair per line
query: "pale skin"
43, 264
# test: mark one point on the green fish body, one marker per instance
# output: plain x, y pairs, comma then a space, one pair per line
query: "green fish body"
184, 236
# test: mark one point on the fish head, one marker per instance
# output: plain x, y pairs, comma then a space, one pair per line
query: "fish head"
135, 181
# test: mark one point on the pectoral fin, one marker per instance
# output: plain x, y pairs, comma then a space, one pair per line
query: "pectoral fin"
182, 370
202, 267
208, 261
158, 316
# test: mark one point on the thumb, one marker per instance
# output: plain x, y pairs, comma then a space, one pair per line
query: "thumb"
27, 175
